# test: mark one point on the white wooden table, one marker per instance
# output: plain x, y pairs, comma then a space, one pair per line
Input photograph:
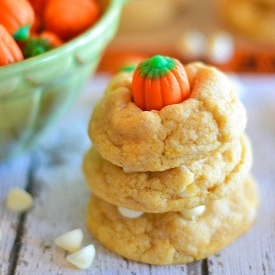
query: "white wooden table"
52, 174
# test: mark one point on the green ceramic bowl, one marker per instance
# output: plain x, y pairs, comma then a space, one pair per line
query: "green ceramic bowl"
34, 93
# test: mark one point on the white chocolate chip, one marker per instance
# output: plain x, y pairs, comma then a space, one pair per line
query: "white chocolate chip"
193, 213
82, 258
70, 241
127, 170
189, 192
251, 216
191, 44
128, 213
19, 200
184, 195
221, 207
220, 47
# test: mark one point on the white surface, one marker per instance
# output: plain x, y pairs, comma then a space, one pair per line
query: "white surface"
54, 177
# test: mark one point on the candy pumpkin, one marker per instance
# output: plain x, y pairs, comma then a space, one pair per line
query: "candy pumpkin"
39, 6
159, 81
17, 16
9, 50
69, 18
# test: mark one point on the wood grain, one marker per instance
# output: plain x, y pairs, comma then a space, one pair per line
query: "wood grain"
13, 173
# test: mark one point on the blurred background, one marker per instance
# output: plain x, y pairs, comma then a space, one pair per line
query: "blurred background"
234, 35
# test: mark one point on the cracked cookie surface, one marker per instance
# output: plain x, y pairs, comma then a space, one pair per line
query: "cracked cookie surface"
168, 238
177, 134
186, 186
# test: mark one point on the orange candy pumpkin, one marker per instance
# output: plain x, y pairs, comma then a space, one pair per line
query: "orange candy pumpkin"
17, 16
9, 50
159, 81
69, 18
39, 6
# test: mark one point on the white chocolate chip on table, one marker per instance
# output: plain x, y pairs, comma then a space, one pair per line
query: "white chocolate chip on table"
217, 48
19, 200
70, 241
82, 258
220, 48
191, 45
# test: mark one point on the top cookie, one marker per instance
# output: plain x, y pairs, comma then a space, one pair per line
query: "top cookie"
177, 134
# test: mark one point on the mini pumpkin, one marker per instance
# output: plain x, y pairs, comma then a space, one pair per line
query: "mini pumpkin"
17, 16
39, 6
9, 50
69, 18
159, 81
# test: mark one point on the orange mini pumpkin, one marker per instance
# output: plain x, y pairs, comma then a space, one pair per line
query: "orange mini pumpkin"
159, 81
17, 16
39, 6
9, 50
69, 18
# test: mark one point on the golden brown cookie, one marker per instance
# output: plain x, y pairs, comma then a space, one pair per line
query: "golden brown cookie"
177, 134
186, 186
252, 18
169, 238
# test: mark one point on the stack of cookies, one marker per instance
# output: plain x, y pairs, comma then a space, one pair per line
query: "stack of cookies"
171, 185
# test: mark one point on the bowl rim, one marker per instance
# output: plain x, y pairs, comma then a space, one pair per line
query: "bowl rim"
111, 11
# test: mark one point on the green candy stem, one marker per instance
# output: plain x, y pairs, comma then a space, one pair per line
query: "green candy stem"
33, 47
22, 33
128, 68
156, 66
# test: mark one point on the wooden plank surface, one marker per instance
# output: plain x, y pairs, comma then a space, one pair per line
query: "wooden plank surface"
254, 253
13, 173
54, 177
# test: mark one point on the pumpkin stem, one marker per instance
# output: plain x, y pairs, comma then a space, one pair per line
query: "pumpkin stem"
156, 66
22, 33
33, 47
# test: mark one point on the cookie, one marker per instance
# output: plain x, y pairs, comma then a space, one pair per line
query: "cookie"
177, 134
252, 18
186, 186
170, 238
